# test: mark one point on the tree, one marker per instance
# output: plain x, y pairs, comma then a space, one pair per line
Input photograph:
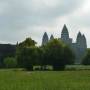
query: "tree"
57, 54
27, 43
28, 57
26, 54
53, 53
6, 50
10, 62
86, 59
40, 52
69, 55
42, 58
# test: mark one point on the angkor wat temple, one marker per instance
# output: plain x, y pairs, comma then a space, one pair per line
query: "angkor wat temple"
79, 47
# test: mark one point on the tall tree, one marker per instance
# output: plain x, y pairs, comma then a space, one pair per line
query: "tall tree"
69, 55
86, 59
27, 43
25, 54
57, 54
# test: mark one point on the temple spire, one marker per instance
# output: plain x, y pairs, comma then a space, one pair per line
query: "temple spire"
52, 37
64, 33
45, 38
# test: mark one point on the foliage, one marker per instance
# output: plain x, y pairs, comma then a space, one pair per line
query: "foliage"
27, 43
28, 57
86, 59
68, 55
6, 50
58, 54
26, 54
54, 53
10, 62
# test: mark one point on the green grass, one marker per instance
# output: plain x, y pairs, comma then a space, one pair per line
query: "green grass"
48, 80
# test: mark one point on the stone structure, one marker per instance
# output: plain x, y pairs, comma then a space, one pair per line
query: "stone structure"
79, 47
45, 39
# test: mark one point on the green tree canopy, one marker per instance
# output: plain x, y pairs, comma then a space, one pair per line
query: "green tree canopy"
86, 59
58, 54
69, 55
26, 53
10, 62
54, 53
27, 43
28, 57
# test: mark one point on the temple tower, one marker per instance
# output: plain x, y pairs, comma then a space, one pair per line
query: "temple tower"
81, 46
45, 39
79, 39
65, 35
52, 37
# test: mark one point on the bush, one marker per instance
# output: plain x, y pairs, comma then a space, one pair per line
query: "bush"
10, 62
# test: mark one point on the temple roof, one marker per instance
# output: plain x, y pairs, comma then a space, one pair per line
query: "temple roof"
65, 30
79, 34
45, 35
52, 37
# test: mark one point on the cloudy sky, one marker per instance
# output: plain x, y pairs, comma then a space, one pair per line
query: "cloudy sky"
31, 18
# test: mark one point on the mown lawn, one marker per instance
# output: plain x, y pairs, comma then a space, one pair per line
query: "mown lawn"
48, 80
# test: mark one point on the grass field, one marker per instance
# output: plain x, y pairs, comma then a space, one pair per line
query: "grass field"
48, 80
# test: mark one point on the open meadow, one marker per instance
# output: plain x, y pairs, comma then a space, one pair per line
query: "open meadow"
47, 80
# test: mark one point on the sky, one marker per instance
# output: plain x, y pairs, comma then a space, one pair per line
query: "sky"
20, 19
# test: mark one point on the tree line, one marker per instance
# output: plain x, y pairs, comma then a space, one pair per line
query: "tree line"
55, 53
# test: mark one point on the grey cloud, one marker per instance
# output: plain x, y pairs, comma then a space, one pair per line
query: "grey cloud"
22, 12
17, 15
82, 20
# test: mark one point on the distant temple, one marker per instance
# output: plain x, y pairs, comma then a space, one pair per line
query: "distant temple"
79, 47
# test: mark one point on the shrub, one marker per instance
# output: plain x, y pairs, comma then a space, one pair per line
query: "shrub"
10, 62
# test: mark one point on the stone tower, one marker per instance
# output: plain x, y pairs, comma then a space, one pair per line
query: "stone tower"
65, 35
78, 40
45, 39
84, 42
80, 47
52, 37
81, 41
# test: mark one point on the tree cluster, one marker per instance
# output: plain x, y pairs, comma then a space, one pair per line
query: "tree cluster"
54, 53
6, 50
